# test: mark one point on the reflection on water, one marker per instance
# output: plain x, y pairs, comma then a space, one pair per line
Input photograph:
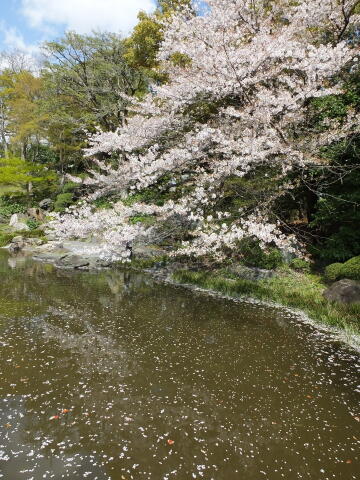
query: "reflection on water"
109, 375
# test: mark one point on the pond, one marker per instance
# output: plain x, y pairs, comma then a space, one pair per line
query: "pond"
112, 375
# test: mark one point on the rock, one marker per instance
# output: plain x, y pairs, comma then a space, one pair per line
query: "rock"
43, 227
36, 214
251, 273
51, 237
73, 261
147, 251
46, 204
102, 263
33, 241
18, 218
343, 291
17, 239
15, 248
17, 222
20, 227
17, 244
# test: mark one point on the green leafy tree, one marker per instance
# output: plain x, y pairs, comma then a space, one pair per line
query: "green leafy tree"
19, 175
20, 93
336, 212
144, 43
88, 83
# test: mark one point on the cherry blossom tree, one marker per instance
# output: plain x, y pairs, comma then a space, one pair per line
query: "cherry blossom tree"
240, 79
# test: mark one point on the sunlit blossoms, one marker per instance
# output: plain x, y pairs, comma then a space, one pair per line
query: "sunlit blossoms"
240, 78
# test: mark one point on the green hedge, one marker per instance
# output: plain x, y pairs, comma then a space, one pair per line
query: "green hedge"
349, 269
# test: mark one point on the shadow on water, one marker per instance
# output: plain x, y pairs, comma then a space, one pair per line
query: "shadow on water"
110, 375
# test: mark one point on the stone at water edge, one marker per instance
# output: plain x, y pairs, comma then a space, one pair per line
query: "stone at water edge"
344, 291
18, 243
17, 239
73, 261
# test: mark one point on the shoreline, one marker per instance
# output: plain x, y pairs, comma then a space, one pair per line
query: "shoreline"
69, 256
332, 334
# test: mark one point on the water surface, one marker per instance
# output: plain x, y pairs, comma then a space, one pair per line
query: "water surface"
110, 375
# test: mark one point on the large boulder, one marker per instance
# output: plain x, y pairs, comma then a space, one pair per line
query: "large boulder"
82, 262
46, 204
36, 214
344, 291
18, 218
18, 222
73, 261
17, 244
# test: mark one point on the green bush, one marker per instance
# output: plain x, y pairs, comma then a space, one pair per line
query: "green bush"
69, 187
103, 203
351, 269
272, 259
333, 272
300, 265
62, 201
145, 219
254, 256
8, 209
32, 223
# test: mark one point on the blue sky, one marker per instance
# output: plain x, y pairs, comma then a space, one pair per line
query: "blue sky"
24, 24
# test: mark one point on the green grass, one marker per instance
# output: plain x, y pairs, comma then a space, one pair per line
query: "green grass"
291, 289
6, 236
143, 263
144, 219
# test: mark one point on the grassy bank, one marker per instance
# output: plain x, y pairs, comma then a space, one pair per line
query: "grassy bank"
6, 236
291, 289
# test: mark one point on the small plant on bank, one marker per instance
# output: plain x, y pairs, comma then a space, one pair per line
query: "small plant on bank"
8, 209
5, 238
300, 265
32, 224
254, 256
146, 219
63, 200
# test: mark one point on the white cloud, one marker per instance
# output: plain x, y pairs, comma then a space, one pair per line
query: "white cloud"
17, 54
83, 16
13, 40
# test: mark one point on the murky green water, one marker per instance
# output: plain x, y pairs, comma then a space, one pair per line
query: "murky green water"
112, 376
